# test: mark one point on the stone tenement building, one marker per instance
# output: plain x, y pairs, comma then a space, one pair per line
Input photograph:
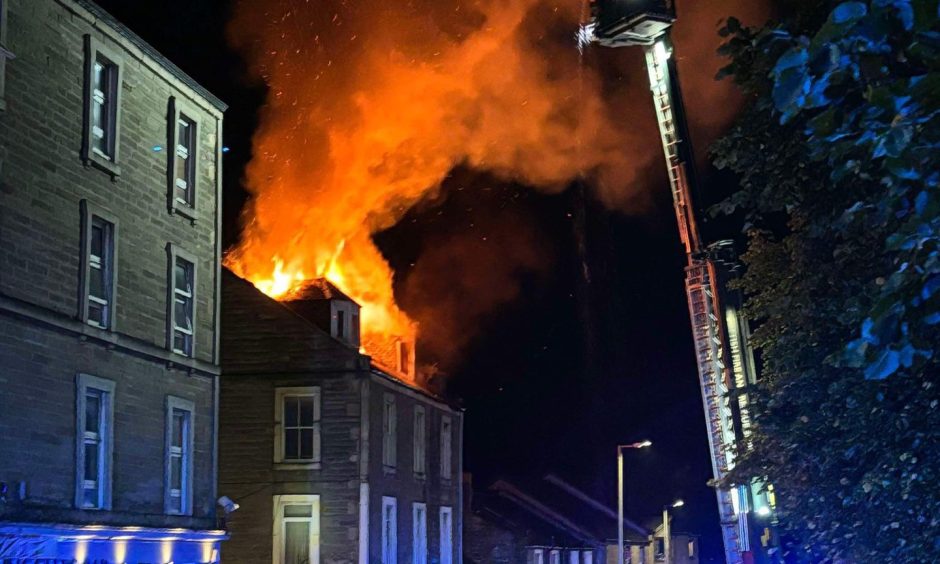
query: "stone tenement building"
109, 280
331, 459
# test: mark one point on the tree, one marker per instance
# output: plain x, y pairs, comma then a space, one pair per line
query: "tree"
839, 168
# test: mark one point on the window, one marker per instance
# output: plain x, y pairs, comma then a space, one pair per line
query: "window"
182, 157
4, 52
574, 557
538, 556
95, 405
446, 447
659, 549
587, 557
102, 106
389, 530
419, 527
420, 441
182, 302
447, 536
179, 456
297, 423
296, 529
389, 432
345, 324
403, 358
99, 274
692, 548
554, 557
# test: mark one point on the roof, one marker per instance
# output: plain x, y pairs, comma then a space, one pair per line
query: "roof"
318, 289
552, 512
262, 335
122, 30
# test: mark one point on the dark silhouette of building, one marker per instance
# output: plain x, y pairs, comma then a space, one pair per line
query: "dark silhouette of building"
110, 181
330, 458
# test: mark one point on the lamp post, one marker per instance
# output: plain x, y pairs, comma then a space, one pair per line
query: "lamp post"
641, 444
667, 540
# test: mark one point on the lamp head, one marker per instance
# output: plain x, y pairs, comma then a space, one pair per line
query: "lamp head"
678, 503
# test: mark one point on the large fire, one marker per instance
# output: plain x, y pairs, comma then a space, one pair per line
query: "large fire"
371, 104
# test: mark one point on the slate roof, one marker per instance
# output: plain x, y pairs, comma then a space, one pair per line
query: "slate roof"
261, 335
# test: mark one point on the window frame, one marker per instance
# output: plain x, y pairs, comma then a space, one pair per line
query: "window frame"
389, 432
178, 110
174, 252
280, 395
88, 215
279, 533
587, 557
538, 556
420, 442
174, 404
419, 533
5, 54
109, 163
446, 467
83, 383
554, 556
350, 311
389, 546
446, 533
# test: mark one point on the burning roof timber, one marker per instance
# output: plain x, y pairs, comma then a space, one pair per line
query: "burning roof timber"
261, 334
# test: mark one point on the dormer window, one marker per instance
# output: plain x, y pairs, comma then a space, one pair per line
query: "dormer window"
345, 321
403, 357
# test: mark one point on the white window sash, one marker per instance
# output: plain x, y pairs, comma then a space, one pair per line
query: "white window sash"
281, 503
420, 441
389, 530
390, 432
281, 428
446, 535
178, 500
446, 447
101, 439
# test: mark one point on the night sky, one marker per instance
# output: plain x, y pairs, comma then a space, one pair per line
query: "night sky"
593, 350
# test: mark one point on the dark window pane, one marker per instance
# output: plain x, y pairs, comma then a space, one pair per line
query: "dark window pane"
97, 239
341, 324
177, 435
298, 510
182, 275
96, 314
96, 283
176, 476
91, 461
183, 313
182, 342
291, 446
90, 498
306, 444
290, 411
306, 411
92, 411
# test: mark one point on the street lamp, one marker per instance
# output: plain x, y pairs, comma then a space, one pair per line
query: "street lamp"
667, 556
641, 444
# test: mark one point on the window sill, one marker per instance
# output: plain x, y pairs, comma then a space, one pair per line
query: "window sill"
421, 477
297, 465
91, 159
183, 210
389, 470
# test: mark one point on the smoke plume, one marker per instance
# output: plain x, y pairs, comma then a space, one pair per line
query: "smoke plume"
371, 103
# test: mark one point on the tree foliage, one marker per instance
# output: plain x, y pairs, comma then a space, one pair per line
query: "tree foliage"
838, 156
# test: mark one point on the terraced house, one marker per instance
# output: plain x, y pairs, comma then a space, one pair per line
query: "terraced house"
109, 281
331, 458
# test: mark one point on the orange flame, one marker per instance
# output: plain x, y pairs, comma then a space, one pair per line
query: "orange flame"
371, 104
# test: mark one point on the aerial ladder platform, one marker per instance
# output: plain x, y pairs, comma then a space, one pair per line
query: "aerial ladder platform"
723, 357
